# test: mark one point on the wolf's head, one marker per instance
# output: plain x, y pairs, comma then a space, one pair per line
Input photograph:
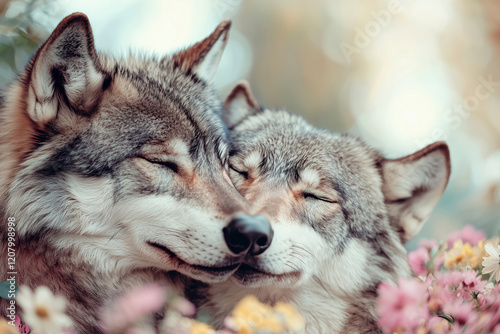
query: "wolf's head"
123, 161
340, 211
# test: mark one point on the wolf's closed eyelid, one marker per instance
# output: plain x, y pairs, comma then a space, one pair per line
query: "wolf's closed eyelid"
173, 166
318, 197
242, 173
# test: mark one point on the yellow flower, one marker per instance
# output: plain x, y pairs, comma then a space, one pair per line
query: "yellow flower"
250, 315
200, 328
422, 330
464, 255
293, 319
477, 257
5, 328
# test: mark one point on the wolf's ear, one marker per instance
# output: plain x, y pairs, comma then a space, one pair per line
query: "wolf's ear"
239, 104
204, 57
65, 71
413, 185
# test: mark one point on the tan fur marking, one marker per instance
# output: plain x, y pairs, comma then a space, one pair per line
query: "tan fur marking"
16, 137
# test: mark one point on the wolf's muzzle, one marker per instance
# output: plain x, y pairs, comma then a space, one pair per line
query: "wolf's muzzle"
245, 233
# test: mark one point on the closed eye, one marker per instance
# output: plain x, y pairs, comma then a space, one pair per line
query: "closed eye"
242, 173
169, 164
312, 196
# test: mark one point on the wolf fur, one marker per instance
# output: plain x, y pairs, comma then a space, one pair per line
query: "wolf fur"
340, 211
105, 165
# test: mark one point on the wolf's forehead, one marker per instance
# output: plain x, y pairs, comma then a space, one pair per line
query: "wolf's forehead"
166, 102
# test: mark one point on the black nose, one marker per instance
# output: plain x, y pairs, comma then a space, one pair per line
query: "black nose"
248, 233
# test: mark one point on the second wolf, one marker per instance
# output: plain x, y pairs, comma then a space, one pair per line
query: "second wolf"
340, 211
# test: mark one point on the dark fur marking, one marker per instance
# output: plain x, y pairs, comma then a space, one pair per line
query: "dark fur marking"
107, 82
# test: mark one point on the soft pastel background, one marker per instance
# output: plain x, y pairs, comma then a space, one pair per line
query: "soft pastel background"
400, 74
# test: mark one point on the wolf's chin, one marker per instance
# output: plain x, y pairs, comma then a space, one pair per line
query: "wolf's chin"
207, 274
248, 276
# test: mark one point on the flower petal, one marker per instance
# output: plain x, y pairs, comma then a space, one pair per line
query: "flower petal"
491, 250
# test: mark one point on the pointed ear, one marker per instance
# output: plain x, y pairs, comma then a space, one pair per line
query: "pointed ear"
413, 185
65, 71
204, 57
239, 104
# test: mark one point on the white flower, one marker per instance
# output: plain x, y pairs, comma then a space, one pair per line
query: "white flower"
42, 311
491, 263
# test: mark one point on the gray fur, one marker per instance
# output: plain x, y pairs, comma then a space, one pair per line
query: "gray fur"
86, 147
345, 232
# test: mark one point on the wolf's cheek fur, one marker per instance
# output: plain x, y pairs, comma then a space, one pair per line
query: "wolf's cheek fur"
122, 231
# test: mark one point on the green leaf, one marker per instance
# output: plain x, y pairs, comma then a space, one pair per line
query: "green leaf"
449, 318
5, 289
7, 55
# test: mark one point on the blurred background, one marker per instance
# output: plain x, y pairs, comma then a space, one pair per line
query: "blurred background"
399, 73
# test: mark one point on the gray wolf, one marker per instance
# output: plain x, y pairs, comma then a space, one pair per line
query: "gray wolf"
340, 212
105, 167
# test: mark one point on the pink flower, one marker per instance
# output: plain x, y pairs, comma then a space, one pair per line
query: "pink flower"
471, 282
21, 327
450, 280
436, 324
428, 243
418, 259
438, 296
467, 234
131, 307
402, 306
184, 307
462, 313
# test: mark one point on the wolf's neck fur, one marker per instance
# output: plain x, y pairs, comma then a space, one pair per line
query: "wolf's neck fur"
16, 134
324, 310
66, 272
341, 298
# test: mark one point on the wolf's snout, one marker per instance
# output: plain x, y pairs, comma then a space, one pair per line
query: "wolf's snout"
245, 233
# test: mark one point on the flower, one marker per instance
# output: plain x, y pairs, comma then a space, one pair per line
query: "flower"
43, 311
471, 282
183, 306
5, 328
462, 313
201, 328
418, 259
293, 319
467, 235
22, 328
251, 316
491, 263
437, 324
463, 255
429, 244
132, 307
403, 306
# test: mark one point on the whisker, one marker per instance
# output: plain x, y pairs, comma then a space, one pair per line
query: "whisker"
322, 286
297, 257
114, 235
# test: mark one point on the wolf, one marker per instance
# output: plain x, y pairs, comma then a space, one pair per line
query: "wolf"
115, 171
340, 213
